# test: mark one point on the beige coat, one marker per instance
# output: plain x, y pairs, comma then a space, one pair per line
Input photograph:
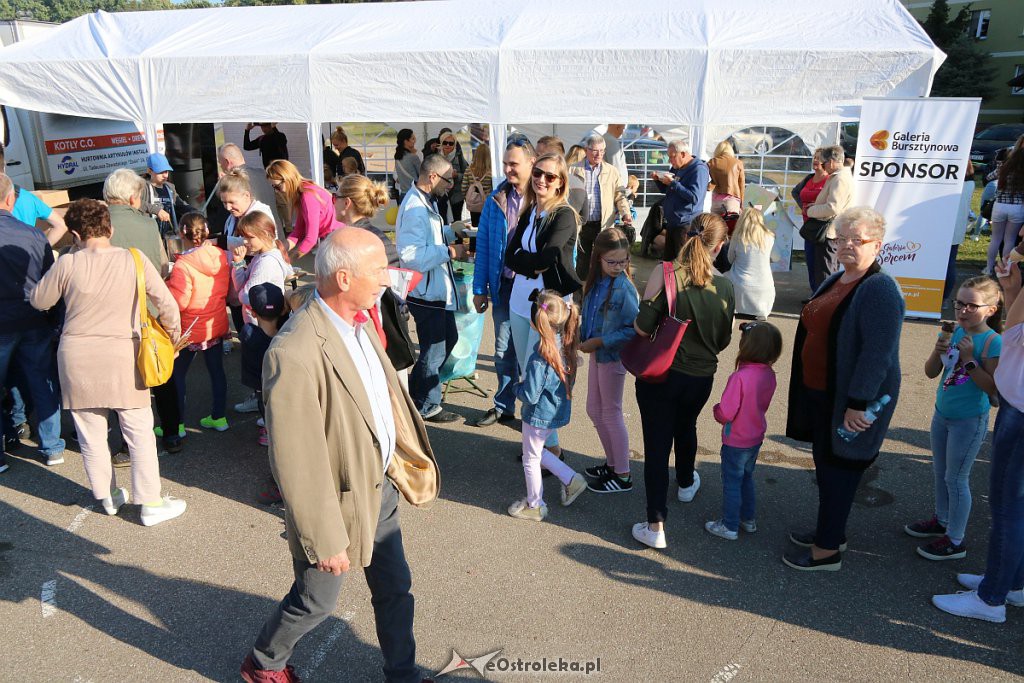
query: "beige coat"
613, 200
323, 448
834, 198
99, 344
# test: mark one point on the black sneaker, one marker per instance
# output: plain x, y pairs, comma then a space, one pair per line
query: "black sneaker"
492, 416
804, 562
598, 471
613, 483
943, 549
121, 459
172, 444
926, 528
806, 540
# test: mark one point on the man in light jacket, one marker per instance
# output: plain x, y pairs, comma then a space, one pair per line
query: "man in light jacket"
346, 440
428, 246
605, 199
835, 197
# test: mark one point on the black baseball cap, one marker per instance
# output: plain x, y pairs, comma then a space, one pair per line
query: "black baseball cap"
267, 301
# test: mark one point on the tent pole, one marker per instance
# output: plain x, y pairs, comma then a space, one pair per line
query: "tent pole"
316, 153
149, 130
498, 139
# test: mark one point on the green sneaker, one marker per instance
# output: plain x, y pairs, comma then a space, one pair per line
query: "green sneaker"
221, 425
159, 431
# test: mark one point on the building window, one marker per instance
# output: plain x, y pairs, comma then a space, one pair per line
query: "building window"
978, 27
1018, 72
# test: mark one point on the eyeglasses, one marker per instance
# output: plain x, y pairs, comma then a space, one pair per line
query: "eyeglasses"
277, 184
447, 143
855, 241
617, 264
966, 307
596, 150
549, 177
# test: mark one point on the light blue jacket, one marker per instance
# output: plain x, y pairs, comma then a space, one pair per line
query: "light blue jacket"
545, 402
422, 240
615, 326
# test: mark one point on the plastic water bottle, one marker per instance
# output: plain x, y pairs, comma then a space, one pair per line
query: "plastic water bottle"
871, 414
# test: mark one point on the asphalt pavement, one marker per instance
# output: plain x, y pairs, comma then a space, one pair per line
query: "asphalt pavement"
91, 598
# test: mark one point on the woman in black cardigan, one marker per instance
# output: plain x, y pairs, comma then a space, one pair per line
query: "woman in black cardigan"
541, 253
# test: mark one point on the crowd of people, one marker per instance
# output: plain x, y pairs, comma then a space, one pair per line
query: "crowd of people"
552, 262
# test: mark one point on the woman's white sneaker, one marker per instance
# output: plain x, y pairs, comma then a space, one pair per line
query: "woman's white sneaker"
972, 581
968, 604
113, 503
169, 508
643, 533
687, 494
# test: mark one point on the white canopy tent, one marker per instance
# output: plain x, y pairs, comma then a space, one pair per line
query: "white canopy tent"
683, 65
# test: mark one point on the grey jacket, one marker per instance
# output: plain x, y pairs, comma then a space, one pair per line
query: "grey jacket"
863, 364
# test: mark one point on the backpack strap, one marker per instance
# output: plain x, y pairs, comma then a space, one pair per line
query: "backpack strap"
988, 343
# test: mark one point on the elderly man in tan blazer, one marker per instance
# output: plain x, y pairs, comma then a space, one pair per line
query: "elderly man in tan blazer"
602, 198
835, 197
345, 439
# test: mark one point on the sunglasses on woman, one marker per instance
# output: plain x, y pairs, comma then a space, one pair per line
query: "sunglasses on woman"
447, 143
549, 177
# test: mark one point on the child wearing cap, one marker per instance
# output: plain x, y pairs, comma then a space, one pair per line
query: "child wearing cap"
270, 310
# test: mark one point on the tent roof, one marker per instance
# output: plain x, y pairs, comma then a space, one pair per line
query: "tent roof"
683, 62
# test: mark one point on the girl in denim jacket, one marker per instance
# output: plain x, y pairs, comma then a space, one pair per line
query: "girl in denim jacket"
546, 391
610, 305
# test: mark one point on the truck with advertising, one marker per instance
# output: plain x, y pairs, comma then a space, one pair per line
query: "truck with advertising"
56, 152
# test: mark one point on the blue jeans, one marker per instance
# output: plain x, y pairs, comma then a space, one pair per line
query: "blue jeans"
16, 408
524, 338
214, 359
1004, 570
955, 444
739, 499
505, 365
32, 352
437, 335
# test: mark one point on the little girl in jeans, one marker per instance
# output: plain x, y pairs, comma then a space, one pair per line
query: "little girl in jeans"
967, 361
741, 413
545, 391
610, 305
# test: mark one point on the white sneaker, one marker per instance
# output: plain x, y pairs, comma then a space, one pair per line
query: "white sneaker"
571, 492
642, 532
520, 510
249, 405
260, 422
972, 581
169, 509
687, 494
717, 528
968, 604
749, 525
114, 502
55, 459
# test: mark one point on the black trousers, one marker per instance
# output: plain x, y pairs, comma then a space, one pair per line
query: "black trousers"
837, 480
166, 398
668, 415
825, 261
588, 233
314, 595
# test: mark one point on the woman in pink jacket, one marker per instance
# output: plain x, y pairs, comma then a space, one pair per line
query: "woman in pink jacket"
312, 206
199, 283
741, 413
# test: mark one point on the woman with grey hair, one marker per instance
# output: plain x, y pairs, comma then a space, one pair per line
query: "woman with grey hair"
835, 197
845, 358
122, 191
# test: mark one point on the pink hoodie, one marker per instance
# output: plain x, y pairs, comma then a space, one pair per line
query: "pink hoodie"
744, 405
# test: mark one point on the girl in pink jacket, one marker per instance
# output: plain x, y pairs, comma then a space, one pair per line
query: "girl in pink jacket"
742, 413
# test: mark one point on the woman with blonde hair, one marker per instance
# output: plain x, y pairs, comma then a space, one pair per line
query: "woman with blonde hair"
312, 206
541, 253
477, 183
728, 180
357, 201
669, 409
750, 252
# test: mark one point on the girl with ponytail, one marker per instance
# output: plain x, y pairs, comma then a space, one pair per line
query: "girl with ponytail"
546, 392
669, 410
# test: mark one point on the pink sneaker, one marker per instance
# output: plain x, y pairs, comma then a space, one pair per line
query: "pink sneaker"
262, 437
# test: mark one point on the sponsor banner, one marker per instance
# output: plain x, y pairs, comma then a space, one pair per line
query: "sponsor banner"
911, 166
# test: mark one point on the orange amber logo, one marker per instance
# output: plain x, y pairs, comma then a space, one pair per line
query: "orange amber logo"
880, 140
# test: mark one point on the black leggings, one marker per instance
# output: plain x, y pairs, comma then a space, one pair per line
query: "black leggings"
668, 414
166, 399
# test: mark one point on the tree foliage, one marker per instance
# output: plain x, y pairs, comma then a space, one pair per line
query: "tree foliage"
968, 70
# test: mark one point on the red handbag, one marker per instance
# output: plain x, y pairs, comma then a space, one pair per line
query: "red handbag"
649, 358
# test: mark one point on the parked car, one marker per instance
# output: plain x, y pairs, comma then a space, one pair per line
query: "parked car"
989, 141
752, 141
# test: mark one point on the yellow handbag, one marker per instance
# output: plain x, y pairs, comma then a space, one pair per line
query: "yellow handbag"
156, 350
